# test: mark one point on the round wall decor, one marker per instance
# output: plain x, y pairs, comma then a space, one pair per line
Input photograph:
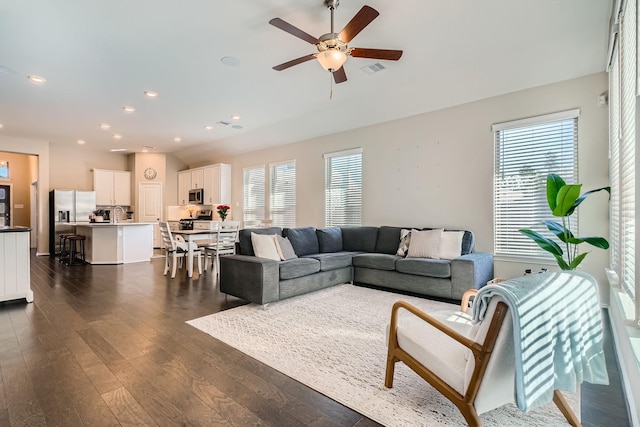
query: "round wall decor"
150, 173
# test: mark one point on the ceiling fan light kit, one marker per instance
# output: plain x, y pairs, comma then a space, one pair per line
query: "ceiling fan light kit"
333, 49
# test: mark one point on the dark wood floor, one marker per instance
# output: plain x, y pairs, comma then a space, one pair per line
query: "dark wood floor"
107, 345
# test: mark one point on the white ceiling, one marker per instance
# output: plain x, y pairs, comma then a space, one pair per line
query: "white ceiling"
99, 56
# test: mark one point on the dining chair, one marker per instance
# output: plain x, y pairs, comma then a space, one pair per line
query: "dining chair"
223, 243
175, 251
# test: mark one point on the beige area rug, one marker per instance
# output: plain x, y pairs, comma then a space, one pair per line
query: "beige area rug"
334, 341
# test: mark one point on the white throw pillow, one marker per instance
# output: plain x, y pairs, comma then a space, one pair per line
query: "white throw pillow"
425, 243
451, 244
264, 246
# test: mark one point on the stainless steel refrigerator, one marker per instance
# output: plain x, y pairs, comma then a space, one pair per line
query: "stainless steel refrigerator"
66, 209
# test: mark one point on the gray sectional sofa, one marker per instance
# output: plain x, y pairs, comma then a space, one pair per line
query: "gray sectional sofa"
362, 255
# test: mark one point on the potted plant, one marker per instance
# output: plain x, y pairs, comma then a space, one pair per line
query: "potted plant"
563, 200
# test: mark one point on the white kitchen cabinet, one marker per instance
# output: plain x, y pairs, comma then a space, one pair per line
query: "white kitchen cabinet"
112, 187
184, 185
214, 179
197, 178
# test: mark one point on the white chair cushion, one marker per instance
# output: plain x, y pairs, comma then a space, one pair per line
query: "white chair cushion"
444, 356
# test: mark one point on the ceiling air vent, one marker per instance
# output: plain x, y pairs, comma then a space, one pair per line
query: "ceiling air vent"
221, 122
373, 68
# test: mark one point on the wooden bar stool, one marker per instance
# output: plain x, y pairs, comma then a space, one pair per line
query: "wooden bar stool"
76, 249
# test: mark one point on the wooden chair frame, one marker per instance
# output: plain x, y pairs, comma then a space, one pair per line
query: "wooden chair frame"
481, 353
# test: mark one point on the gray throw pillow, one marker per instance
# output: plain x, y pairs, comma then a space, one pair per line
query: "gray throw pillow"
303, 240
329, 239
286, 250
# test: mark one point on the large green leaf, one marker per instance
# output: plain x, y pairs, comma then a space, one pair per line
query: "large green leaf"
554, 184
577, 260
546, 244
598, 242
560, 231
584, 196
562, 263
567, 196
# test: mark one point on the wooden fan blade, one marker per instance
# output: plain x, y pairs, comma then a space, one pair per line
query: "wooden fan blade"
339, 75
388, 54
294, 31
294, 62
357, 23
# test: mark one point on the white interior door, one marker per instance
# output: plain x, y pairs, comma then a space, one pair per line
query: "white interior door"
150, 207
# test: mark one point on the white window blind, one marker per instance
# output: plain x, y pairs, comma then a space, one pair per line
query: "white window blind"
254, 195
282, 194
343, 188
614, 161
526, 151
627, 152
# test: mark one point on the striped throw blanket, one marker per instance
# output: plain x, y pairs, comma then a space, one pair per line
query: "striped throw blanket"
557, 328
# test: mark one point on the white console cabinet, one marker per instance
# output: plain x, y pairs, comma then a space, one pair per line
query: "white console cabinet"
112, 187
15, 264
214, 179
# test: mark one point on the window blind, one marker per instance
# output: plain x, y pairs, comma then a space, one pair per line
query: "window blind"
614, 161
343, 188
253, 195
282, 194
526, 151
627, 154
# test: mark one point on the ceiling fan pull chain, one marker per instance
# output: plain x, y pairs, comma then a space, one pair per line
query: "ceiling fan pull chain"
330, 86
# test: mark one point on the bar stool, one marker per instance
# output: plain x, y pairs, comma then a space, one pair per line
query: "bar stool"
76, 255
64, 253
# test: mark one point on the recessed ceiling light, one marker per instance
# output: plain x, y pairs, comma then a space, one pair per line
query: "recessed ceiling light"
81, 141
1, 125
235, 117
118, 149
117, 136
208, 127
230, 61
144, 150
177, 139
104, 126
36, 79
128, 109
150, 93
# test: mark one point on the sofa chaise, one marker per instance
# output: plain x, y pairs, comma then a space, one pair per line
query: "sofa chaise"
362, 255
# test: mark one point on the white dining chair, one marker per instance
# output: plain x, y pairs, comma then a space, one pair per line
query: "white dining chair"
174, 252
224, 243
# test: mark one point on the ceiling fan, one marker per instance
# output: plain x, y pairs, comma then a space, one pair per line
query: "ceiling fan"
333, 48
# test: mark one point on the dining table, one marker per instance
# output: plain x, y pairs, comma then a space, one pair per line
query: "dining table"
193, 236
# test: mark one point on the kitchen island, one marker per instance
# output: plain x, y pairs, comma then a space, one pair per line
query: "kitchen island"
117, 243
15, 264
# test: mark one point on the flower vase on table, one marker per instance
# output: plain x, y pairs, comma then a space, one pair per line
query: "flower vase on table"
223, 211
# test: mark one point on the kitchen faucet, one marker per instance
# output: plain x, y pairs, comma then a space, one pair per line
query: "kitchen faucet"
115, 213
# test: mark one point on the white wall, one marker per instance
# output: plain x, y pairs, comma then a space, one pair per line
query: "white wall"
436, 169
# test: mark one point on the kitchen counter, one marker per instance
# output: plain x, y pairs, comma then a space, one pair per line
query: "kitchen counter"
115, 224
18, 229
117, 243
15, 264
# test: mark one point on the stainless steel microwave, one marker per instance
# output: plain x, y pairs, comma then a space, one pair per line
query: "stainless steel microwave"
196, 196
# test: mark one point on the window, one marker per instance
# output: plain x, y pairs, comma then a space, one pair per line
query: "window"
622, 163
526, 151
4, 169
343, 188
282, 194
254, 195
